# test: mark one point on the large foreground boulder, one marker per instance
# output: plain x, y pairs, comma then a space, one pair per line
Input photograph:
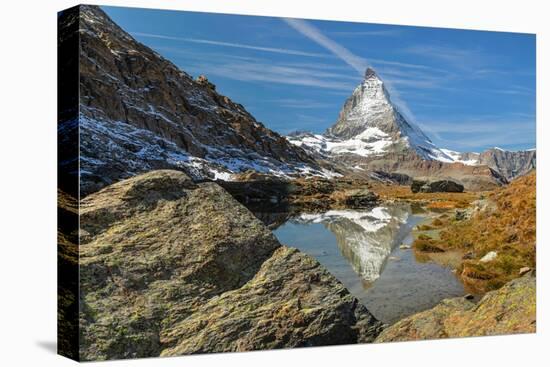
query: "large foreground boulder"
291, 302
436, 186
170, 267
508, 310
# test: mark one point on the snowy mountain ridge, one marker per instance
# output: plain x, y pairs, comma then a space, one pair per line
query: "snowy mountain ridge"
370, 124
371, 127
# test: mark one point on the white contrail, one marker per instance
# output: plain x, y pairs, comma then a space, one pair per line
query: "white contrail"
357, 62
231, 44
311, 32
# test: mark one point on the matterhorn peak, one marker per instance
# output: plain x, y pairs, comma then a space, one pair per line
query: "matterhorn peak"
370, 73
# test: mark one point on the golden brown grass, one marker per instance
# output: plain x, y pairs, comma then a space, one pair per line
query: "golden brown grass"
507, 227
436, 200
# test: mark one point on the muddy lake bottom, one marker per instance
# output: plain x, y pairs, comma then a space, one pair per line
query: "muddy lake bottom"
362, 250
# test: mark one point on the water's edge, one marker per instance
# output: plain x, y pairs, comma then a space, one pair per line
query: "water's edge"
363, 249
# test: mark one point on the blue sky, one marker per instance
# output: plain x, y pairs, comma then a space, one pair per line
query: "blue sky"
468, 90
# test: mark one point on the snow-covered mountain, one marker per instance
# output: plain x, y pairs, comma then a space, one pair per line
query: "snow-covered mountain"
371, 125
134, 111
372, 134
138, 111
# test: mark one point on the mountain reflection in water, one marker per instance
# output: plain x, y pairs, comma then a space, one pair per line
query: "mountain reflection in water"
365, 238
361, 249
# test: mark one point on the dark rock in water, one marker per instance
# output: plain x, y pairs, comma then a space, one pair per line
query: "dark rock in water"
436, 186
392, 177
262, 194
173, 267
360, 198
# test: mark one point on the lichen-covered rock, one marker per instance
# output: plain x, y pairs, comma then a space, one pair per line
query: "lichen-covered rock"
159, 253
508, 310
291, 302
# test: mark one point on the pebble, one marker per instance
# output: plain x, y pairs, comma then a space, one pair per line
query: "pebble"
490, 256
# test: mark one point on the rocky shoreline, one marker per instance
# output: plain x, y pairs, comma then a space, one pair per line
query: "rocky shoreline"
170, 266
166, 263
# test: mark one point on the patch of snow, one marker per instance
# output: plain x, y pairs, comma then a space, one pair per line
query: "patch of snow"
372, 142
457, 157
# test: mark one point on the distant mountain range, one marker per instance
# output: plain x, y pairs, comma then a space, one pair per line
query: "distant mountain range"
139, 112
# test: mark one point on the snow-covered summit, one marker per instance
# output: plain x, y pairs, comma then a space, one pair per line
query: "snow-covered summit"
370, 124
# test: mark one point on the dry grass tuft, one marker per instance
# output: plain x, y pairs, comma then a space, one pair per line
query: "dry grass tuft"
508, 227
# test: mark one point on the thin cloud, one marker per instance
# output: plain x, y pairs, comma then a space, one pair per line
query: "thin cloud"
275, 74
484, 131
380, 33
234, 45
314, 34
357, 62
301, 104
465, 59
403, 64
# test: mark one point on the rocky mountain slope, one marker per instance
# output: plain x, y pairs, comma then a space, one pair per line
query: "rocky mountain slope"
139, 112
171, 267
371, 134
510, 164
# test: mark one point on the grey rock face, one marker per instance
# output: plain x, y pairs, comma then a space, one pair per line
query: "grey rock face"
510, 164
170, 267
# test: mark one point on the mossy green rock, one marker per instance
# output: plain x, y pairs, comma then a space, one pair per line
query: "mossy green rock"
170, 267
508, 310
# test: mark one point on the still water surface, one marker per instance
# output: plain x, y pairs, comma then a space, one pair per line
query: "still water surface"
362, 249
